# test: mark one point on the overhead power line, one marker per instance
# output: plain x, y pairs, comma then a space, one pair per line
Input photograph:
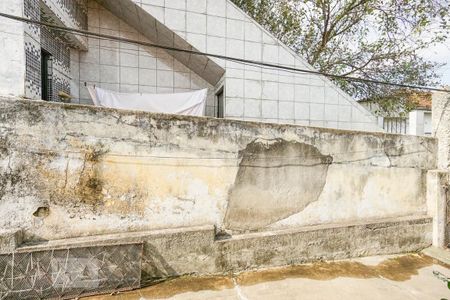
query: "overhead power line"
362, 155
194, 52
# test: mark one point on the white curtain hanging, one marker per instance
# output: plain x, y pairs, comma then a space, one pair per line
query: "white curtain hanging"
190, 103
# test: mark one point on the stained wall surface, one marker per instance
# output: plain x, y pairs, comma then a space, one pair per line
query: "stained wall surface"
69, 170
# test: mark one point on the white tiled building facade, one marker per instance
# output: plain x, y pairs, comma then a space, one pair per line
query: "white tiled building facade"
126, 67
211, 26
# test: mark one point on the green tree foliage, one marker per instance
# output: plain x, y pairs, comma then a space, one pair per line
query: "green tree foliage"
376, 39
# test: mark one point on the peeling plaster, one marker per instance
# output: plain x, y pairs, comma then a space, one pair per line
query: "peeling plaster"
276, 179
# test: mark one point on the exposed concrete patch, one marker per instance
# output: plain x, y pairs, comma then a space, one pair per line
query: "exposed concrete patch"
276, 179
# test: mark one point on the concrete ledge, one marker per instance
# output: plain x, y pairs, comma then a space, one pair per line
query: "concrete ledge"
369, 223
109, 239
40, 105
10, 240
196, 251
274, 249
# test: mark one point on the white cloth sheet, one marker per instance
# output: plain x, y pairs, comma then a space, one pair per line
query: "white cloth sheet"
190, 103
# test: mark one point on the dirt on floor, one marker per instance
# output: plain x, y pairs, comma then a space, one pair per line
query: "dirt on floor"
397, 269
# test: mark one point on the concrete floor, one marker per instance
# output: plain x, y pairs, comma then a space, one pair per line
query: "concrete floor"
395, 277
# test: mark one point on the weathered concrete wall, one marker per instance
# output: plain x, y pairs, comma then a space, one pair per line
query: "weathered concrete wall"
441, 130
441, 127
68, 171
437, 195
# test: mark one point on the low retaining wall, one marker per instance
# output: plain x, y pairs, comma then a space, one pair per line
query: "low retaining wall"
195, 251
291, 247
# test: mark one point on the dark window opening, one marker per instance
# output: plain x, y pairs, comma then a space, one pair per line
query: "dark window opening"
220, 106
46, 75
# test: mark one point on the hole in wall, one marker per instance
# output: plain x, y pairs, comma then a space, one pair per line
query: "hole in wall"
42, 212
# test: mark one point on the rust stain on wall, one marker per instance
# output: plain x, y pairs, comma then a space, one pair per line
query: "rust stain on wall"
90, 184
98, 181
87, 185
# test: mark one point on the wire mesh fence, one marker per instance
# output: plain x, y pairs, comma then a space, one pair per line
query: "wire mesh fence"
70, 273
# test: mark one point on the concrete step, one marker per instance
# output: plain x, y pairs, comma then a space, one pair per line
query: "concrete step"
442, 255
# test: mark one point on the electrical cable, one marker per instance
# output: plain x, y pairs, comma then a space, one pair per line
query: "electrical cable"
375, 151
194, 52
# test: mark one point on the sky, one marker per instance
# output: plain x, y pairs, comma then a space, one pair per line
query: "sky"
440, 53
